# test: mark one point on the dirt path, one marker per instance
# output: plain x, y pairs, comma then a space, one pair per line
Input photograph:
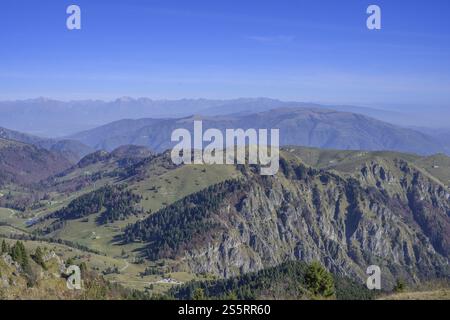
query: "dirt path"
125, 267
12, 213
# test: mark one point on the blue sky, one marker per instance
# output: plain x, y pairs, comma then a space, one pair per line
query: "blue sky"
315, 50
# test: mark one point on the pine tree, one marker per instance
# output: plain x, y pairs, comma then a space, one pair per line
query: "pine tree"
19, 254
16, 253
199, 294
4, 247
38, 258
70, 261
319, 281
400, 286
83, 269
231, 296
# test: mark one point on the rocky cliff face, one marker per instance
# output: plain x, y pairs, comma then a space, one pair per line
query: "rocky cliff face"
386, 212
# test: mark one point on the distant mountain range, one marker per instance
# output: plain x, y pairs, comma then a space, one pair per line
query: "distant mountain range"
47, 117
308, 125
69, 149
53, 118
311, 127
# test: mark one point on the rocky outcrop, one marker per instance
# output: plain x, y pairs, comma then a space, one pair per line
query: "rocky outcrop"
9, 261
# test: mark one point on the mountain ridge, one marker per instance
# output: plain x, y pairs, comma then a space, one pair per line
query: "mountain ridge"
345, 222
23, 163
70, 149
320, 128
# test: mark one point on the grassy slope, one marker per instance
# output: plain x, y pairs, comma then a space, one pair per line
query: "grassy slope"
440, 294
129, 273
163, 187
157, 191
347, 161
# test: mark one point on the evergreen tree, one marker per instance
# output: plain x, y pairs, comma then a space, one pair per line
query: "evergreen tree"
19, 254
231, 296
83, 267
38, 257
198, 294
319, 281
400, 286
5, 248
70, 261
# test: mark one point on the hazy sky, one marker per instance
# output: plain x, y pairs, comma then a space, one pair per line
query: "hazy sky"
316, 50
